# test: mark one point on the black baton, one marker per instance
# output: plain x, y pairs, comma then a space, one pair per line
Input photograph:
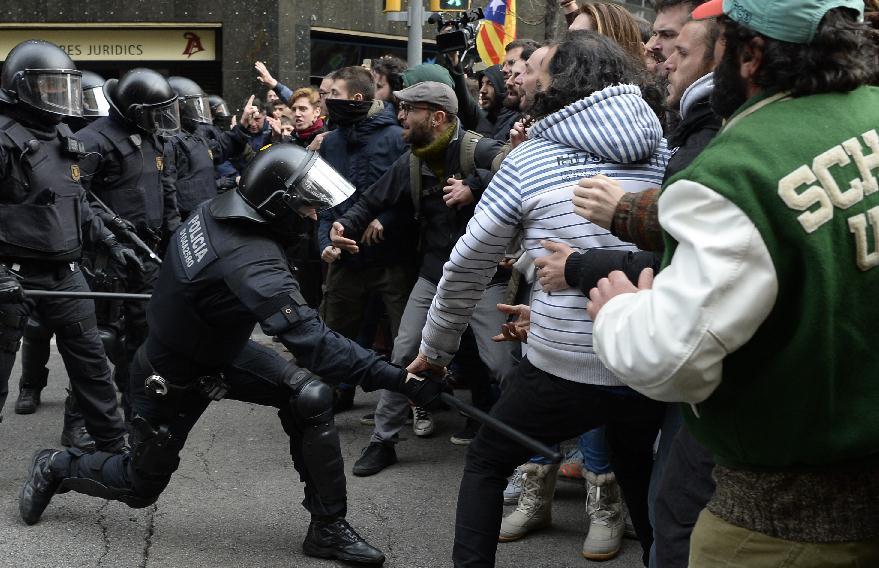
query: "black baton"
87, 295
490, 421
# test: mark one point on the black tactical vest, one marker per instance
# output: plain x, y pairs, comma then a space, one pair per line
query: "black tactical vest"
195, 179
40, 198
135, 193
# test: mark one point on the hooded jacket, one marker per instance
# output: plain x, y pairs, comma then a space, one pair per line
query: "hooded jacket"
494, 124
612, 132
362, 153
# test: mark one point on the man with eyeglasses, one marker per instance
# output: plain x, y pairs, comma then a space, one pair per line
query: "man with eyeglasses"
436, 184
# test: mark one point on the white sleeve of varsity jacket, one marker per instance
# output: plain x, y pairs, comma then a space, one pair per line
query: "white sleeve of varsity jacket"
669, 342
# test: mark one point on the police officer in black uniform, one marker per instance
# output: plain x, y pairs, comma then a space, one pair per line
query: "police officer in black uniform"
224, 272
43, 218
123, 170
191, 155
35, 343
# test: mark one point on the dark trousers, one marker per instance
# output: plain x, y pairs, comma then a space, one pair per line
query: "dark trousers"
73, 321
256, 376
552, 410
684, 490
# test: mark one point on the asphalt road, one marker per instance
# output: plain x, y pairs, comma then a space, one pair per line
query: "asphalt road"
235, 501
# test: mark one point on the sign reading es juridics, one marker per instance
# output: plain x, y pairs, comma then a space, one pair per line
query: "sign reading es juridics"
94, 44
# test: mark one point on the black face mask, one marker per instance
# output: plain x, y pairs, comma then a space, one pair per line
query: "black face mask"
343, 112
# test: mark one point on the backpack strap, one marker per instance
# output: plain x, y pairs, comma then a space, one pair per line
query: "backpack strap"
469, 140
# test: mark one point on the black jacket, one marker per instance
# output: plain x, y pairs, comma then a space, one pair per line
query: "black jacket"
362, 153
439, 227
220, 278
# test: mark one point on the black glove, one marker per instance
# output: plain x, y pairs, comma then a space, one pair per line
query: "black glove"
422, 389
123, 255
121, 224
11, 291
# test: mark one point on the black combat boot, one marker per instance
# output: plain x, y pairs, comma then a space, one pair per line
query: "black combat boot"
77, 437
335, 538
39, 487
28, 400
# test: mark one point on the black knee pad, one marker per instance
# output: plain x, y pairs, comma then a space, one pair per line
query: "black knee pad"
314, 402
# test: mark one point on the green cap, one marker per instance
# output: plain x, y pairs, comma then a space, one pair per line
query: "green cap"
427, 72
793, 21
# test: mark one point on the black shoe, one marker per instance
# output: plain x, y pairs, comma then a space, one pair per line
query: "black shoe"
39, 487
376, 456
336, 539
78, 437
465, 436
343, 400
28, 400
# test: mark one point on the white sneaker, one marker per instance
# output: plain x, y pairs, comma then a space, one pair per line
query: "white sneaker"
422, 422
604, 508
514, 488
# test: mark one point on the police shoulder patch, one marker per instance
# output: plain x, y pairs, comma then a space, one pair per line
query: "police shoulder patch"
160, 163
74, 171
194, 245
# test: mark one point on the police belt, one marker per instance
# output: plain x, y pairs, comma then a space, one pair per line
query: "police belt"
30, 267
210, 387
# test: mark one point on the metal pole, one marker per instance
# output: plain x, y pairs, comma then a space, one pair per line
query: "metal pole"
87, 295
416, 32
489, 421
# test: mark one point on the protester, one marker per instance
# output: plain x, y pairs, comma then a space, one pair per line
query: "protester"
795, 458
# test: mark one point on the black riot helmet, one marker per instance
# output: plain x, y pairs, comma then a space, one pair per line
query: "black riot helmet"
280, 186
94, 103
219, 108
144, 98
40, 75
194, 107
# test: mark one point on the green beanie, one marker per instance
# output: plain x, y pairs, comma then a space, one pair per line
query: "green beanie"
427, 72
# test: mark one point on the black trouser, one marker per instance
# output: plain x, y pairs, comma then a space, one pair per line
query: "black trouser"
73, 321
256, 377
134, 330
684, 490
552, 410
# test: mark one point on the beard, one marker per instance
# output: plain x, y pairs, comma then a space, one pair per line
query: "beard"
511, 101
419, 135
730, 90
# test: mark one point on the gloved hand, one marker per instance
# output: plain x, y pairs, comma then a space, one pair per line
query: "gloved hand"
424, 390
11, 291
123, 255
121, 224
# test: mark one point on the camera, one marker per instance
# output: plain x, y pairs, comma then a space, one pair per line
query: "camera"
458, 34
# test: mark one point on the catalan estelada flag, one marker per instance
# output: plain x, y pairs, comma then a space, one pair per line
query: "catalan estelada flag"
496, 31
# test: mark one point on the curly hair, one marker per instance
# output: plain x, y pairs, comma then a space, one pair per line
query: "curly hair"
586, 62
841, 57
391, 68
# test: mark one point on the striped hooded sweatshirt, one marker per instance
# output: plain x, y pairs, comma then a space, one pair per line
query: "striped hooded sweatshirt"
611, 132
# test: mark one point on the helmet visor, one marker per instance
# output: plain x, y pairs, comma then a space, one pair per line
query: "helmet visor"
322, 188
220, 110
162, 120
196, 109
52, 90
94, 103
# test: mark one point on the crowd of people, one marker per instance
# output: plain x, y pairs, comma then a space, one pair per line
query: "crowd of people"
650, 239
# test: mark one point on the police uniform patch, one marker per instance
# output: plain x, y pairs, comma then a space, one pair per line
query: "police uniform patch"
194, 245
74, 172
211, 154
160, 163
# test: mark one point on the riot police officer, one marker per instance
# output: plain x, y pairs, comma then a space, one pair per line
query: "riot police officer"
35, 342
191, 155
225, 271
43, 218
123, 170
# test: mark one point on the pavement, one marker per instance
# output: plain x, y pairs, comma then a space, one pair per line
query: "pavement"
235, 500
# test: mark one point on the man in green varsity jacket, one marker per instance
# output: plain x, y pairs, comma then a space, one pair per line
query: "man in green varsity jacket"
765, 317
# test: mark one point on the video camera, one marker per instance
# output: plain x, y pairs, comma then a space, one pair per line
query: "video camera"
462, 36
